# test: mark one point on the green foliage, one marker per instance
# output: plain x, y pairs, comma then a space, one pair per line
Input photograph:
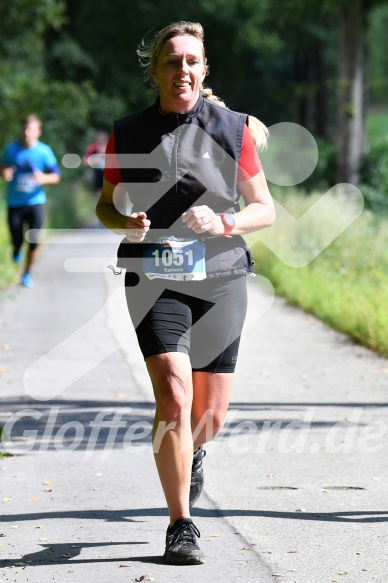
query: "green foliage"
346, 285
4, 454
22, 72
377, 125
323, 176
8, 271
374, 178
28, 20
67, 55
65, 110
246, 50
69, 205
375, 199
104, 109
378, 50
374, 163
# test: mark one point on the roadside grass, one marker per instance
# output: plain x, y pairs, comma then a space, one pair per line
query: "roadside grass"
3, 454
69, 205
346, 285
8, 271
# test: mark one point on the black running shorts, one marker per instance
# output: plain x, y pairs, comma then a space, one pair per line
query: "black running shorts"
31, 216
203, 319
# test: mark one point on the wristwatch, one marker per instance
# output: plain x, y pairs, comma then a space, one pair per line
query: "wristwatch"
228, 222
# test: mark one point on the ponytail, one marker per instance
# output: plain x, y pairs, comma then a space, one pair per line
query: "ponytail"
208, 93
258, 130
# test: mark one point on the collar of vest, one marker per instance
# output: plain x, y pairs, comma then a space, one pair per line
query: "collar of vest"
181, 117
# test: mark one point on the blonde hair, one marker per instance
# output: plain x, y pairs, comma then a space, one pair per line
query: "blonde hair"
208, 93
257, 129
148, 53
259, 132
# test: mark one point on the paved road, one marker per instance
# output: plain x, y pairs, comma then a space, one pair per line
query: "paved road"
295, 483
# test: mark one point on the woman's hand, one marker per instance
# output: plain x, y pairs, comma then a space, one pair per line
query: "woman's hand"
137, 227
203, 219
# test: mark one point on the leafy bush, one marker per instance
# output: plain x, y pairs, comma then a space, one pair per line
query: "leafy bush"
374, 177
8, 271
324, 174
69, 205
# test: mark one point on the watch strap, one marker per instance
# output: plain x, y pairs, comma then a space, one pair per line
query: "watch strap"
228, 222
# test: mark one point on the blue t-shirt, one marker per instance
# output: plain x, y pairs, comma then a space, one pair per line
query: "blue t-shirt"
23, 190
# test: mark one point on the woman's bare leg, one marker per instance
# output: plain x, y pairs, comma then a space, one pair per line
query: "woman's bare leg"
171, 378
211, 396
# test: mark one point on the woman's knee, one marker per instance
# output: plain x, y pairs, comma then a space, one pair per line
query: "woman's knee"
172, 386
209, 422
172, 397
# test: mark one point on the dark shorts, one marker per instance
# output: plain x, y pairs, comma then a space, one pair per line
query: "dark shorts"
25, 216
203, 319
98, 179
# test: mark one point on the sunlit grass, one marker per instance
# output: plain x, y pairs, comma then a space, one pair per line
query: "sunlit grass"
8, 270
346, 285
69, 205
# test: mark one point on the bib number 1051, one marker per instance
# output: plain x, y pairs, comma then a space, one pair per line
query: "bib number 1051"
176, 257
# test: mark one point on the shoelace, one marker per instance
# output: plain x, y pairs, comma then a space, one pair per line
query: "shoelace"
198, 457
185, 533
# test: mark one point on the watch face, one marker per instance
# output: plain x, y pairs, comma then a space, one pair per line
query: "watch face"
229, 219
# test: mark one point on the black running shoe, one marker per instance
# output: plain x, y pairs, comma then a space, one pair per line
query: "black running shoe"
181, 543
197, 477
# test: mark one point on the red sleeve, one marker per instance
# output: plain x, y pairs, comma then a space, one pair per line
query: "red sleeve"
90, 150
249, 164
112, 171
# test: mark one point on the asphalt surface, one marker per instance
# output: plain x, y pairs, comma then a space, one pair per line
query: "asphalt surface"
296, 482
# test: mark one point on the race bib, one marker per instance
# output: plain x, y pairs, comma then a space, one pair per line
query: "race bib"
25, 182
175, 258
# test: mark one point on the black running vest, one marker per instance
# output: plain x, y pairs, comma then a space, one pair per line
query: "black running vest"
171, 162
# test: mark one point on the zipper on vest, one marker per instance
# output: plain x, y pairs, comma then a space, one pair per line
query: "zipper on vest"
176, 153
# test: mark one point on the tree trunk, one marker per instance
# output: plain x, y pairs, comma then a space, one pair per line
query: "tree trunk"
351, 89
